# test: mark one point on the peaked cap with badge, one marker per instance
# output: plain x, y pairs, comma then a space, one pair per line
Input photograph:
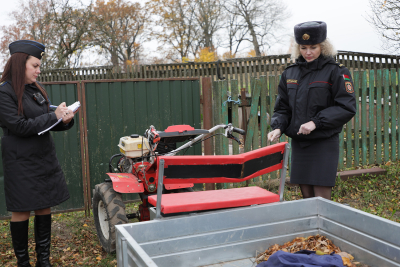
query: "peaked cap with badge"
29, 47
310, 32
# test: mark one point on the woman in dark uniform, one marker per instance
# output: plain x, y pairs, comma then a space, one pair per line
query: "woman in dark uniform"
33, 179
315, 99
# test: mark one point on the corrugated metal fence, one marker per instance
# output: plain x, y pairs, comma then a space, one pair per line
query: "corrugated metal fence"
116, 109
112, 109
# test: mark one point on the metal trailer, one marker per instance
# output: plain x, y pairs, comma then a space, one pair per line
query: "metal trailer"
233, 237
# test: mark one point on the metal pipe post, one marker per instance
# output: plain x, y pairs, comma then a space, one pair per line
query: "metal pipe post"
159, 188
283, 172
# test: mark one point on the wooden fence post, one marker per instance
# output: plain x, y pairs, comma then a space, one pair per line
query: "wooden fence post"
252, 127
255, 96
217, 120
224, 118
371, 116
255, 140
244, 112
378, 117
386, 114
356, 85
264, 114
207, 119
393, 104
235, 113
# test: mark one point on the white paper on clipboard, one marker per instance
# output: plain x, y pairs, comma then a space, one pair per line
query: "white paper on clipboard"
74, 107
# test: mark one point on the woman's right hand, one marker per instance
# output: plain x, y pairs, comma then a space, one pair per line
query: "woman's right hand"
61, 110
274, 135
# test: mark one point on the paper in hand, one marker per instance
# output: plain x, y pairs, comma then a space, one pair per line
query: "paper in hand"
74, 107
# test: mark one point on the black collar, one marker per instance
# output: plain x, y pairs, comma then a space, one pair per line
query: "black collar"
316, 64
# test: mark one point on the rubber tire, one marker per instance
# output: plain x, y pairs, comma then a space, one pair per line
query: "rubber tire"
112, 210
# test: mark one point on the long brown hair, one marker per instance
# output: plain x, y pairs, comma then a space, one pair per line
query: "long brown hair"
14, 71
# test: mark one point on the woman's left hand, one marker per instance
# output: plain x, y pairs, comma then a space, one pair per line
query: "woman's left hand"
68, 116
307, 128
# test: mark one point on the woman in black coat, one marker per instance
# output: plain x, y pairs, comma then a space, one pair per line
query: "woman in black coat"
33, 179
315, 99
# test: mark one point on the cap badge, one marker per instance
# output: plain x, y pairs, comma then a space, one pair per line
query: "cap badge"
306, 36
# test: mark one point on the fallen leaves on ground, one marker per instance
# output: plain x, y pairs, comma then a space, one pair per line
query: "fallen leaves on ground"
318, 243
74, 243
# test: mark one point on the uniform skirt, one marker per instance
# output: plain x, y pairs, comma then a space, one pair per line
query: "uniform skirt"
315, 162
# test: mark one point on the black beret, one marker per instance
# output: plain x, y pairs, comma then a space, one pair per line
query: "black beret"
310, 32
29, 47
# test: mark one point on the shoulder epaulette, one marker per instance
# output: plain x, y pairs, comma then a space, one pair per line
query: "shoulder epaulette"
340, 64
3, 83
293, 65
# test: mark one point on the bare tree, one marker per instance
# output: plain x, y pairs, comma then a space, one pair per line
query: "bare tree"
209, 16
176, 28
236, 32
70, 31
262, 19
385, 17
119, 28
30, 23
61, 27
187, 26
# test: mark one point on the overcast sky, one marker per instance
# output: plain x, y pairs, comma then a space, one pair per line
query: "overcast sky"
347, 26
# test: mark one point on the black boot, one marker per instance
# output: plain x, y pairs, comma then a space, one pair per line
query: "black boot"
43, 240
19, 234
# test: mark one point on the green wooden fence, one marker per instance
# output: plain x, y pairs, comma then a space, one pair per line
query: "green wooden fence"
240, 69
371, 137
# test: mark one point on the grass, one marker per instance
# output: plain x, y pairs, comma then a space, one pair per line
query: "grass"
75, 243
378, 195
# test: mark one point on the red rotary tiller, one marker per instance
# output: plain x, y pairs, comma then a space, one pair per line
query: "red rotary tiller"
148, 166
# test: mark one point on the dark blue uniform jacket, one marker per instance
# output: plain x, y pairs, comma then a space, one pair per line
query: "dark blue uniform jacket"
320, 91
33, 178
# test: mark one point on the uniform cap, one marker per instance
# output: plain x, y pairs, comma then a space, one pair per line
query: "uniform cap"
29, 47
310, 32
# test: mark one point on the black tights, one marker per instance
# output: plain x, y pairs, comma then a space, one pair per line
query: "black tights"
316, 191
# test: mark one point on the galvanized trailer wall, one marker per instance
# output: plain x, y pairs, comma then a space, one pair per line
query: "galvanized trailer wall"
234, 234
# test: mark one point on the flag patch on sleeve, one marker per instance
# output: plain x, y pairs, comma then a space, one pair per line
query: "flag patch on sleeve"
346, 77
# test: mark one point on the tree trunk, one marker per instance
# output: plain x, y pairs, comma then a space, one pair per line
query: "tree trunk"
254, 37
208, 39
114, 58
